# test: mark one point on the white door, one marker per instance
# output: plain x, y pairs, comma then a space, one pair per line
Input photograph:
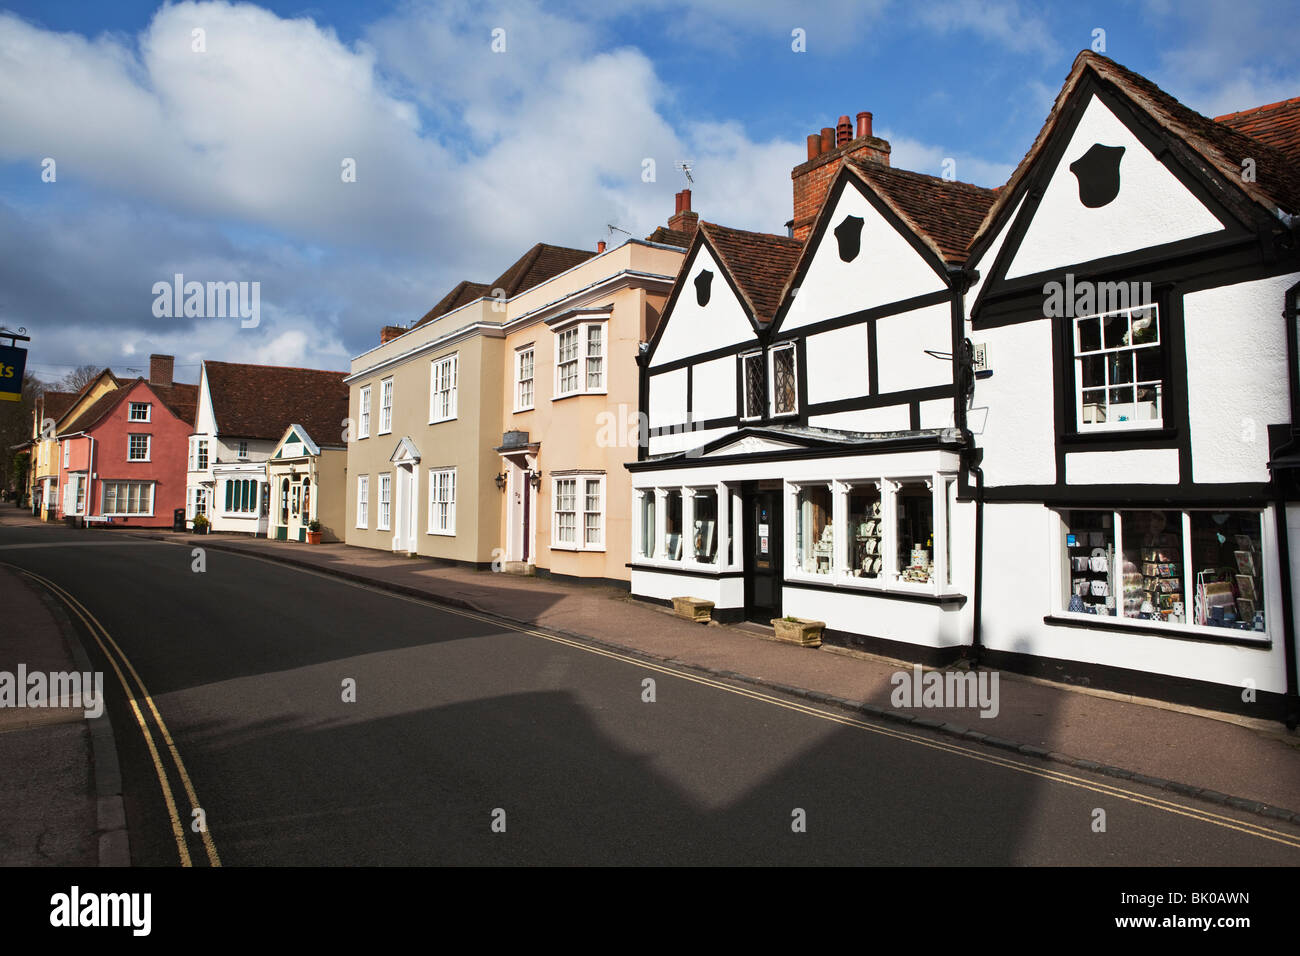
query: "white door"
404, 526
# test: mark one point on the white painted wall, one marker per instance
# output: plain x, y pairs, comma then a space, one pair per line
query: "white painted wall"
863, 612
1137, 466
1152, 208
685, 440
723, 592
892, 419
887, 269
900, 343
1236, 376
837, 364
937, 413
1015, 405
667, 398
713, 389
692, 329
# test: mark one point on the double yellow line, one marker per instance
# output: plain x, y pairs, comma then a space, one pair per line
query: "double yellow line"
117, 659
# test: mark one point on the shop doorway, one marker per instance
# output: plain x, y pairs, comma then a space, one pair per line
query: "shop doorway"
763, 550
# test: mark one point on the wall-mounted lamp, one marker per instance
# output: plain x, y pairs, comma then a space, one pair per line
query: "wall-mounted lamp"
501, 481
535, 479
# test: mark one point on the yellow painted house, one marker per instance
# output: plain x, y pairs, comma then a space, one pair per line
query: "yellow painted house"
55, 414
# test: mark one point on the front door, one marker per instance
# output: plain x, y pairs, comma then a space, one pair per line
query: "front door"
404, 536
763, 572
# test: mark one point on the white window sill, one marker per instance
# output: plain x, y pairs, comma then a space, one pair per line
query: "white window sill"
1175, 630
526, 408
442, 534
561, 397
449, 418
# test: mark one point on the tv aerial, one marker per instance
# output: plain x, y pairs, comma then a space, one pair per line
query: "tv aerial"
686, 166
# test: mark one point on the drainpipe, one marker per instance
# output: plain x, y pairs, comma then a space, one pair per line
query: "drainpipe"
90, 479
1292, 700
963, 361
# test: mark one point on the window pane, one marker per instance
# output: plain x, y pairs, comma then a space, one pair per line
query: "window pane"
648, 524
1227, 558
673, 525
1153, 565
1089, 556
1094, 406
915, 528
814, 531
755, 390
1093, 371
1115, 330
783, 385
1150, 364
865, 555
1089, 335
704, 539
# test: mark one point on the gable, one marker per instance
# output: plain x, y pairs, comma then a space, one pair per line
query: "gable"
884, 265
750, 445
1099, 202
689, 328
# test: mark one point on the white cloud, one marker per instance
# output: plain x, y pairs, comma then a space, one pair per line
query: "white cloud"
907, 153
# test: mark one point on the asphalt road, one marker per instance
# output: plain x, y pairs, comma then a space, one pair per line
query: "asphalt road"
460, 723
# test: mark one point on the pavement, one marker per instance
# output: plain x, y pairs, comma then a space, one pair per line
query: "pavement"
1228, 760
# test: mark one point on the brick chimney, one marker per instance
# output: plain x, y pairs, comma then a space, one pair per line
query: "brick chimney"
390, 332
161, 368
827, 152
683, 220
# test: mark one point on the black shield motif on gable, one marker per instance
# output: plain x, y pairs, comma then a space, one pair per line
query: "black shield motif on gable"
703, 285
1097, 171
849, 235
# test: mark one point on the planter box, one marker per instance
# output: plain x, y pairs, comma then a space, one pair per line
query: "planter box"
313, 537
799, 631
693, 609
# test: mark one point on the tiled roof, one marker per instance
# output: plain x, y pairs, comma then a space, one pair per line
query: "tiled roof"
947, 213
1277, 124
670, 237
93, 412
1219, 146
181, 400
538, 264
758, 262
261, 401
56, 404
464, 293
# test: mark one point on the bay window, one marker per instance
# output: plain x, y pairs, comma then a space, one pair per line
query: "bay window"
646, 541
580, 359
814, 529
704, 521
673, 525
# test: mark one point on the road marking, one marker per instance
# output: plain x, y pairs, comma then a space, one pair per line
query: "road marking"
96, 630
1057, 776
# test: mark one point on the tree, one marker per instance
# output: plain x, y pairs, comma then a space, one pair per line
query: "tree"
79, 377
16, 425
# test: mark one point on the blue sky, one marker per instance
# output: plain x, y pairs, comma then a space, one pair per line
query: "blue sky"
223, 164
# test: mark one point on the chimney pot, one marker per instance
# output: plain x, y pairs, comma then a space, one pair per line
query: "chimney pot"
864, 125
828, 139
814, 145
390, 332
677, 203
600, 247
843, 131
686, 200
161, 368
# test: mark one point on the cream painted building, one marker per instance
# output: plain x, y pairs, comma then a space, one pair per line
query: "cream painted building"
493, 433
307, 482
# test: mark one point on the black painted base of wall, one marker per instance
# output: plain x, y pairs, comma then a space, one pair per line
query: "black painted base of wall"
913, 653
578, 579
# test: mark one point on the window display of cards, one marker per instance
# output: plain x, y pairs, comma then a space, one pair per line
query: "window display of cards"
1090, 562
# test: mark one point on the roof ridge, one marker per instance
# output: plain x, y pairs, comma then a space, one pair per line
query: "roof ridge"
287, 368
1293, 101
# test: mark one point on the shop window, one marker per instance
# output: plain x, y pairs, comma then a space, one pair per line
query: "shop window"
1153, 565
1227, 561
1090, 562
914, 509
814, 530
866, 527
673, 525
704, 538
648, 524
1119, 370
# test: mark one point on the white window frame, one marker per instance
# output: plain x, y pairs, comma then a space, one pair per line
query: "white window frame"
386, 406
1078, 358
583, 357
580, 511
148, 446
363, 501
889, 578
363, 412
241, 450
528, 351
385, 501
793, 349
117, 487
746, 413
1060, 603
442, 492
198, 503
199, 454
444, 387
131, 408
